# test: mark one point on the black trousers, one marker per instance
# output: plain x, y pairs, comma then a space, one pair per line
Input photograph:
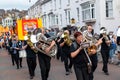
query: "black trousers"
105, 57
94, 61
44, 62
31, 62
67, 61
20, 62
12, 58
81, 72
15, 58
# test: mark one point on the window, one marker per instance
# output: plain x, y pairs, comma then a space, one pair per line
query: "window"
44, 20
68, 1
92, 11
55, 4
66, 16
60, 19
60, 3
69, 17
109, 8
57, 19
88, 11
78, 14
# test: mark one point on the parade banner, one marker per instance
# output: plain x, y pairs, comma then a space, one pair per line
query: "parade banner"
24, 26
3, 30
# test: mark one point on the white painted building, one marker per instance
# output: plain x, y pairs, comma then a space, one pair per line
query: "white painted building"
35, 10
99, 13
8, 21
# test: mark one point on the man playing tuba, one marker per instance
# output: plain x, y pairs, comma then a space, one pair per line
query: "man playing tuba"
44, 60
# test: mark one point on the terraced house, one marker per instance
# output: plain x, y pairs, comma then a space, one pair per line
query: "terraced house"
58, 13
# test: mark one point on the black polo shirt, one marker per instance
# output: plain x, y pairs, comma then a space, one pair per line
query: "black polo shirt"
80, 59
29, 51
65, 47
104, 45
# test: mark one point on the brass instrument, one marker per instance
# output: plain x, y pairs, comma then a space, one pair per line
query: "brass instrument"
89, 42
31, 44
41, 43
67, 39
103, 31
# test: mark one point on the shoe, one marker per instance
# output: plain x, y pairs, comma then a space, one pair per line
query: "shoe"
118, 63
34, 75
67, 73
20, 66
106, 73
13, 64
70, 70
31, 77
17, 67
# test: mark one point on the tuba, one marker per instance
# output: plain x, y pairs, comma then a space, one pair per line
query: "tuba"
41, 43
89, 42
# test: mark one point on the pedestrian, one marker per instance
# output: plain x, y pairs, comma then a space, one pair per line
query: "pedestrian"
21, 43
90, 32
11, 51
112, 46
15, 49
31, 56
43, 58
105, 48
80, 59
118, 44
65, 45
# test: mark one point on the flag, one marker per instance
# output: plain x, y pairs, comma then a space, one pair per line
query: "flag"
24, 26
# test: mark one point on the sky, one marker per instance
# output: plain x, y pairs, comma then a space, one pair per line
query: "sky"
16, 4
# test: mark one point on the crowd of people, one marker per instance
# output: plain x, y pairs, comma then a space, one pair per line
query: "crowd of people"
70, 51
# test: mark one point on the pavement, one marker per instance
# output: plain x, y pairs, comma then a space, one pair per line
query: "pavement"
57, 72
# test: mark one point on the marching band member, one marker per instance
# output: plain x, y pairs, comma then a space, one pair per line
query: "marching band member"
79, 58
93, 57
105, 49
66, 52
44, 60
31, 56
79, 61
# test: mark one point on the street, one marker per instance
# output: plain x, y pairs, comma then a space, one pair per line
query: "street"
57, 72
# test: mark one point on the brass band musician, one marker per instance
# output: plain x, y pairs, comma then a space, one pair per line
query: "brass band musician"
65, 44
79, 58
31, 56
105, 49
93, 56
45, 60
